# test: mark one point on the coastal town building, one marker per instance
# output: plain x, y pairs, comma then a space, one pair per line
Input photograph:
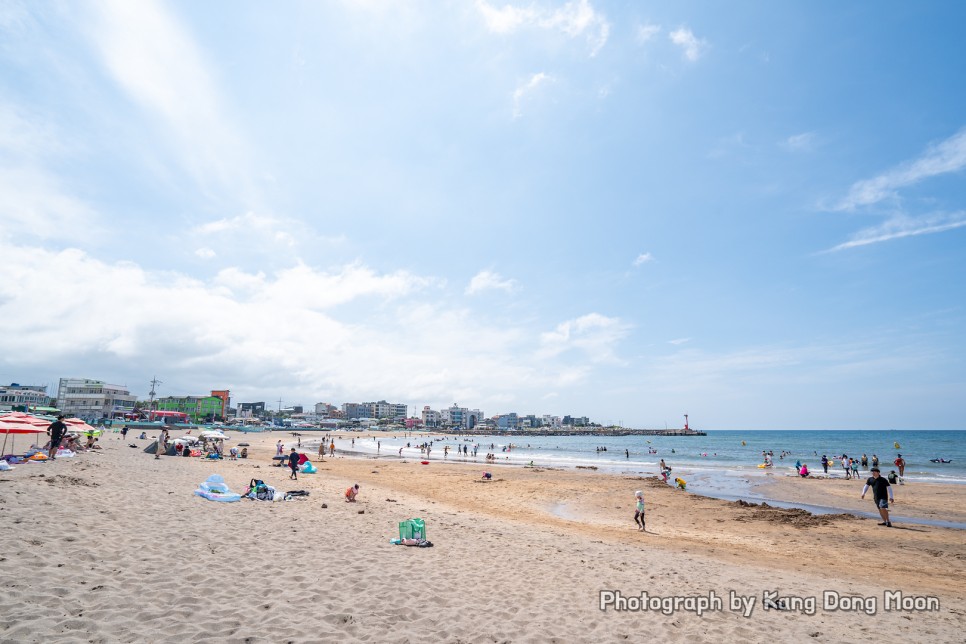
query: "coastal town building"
431, 417
456, 416
23, 397
378, 410
325, 410
251, 409
507, 421
90, 399
199, 409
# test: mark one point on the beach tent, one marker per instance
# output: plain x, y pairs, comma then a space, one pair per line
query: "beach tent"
21, 423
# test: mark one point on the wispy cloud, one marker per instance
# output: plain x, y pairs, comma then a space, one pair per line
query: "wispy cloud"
647, 32
942, 158
679, 341
803, 141
34, 200
904, 226
490, 281
643, 258
526, 89
576, 18
692, 46
156, 62
595, 335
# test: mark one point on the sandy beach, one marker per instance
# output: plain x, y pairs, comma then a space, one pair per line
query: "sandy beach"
112, 546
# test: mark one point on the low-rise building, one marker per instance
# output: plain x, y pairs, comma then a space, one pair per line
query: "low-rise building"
93, 399
17, 396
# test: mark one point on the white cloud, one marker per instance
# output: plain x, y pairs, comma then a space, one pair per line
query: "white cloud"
593, 334
352, 333
693, 47
643, 258
506, 19
526, 89
488, 281
803, 141
647, 32
945, 157
900, 226
34, 200
155, 60
679, 341
576, 18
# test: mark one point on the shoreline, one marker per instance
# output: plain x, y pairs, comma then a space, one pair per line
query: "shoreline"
775, 488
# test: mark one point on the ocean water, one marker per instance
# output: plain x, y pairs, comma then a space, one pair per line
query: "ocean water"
719, 456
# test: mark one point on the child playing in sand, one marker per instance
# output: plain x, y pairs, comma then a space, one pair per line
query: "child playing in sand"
639, 510
350, 494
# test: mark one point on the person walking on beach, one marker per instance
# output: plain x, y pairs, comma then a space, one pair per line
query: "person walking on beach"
639, 510
845, 466
124, 432
322, 451
855, 468
56, 429
332, 448
162, 447
880, 490
293, 463
278, 448
901, 464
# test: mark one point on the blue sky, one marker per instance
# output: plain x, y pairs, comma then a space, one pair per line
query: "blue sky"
752, 213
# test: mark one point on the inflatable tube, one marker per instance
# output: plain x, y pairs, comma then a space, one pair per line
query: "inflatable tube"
214, 489
217, 496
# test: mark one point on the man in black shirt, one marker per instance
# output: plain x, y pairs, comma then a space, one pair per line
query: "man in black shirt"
56, 429
880, 490
293, 463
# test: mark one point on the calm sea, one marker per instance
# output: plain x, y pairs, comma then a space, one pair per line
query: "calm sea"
720, 454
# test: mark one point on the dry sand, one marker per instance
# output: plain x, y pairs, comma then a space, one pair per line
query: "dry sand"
112, 546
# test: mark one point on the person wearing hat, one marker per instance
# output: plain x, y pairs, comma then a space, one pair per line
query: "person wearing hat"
56, 429
880, 490
639, 510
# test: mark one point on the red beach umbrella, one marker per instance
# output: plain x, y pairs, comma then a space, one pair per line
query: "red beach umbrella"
20, 423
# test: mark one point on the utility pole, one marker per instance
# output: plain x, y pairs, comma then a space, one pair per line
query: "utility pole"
151, 394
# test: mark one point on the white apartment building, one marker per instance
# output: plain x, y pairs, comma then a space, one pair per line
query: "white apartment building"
92, 399
15, 395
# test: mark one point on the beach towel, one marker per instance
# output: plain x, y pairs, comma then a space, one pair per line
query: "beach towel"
419, 543
412, 529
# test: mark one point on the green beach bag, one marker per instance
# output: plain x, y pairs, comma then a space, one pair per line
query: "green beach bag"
412, 529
